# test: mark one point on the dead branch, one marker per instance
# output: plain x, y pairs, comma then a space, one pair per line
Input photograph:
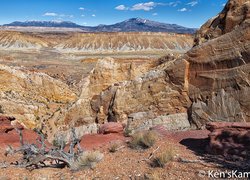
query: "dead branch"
40, 155
151, 154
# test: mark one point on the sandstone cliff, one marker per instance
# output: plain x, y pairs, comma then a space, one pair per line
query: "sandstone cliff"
29, 96
83, 113
219, 68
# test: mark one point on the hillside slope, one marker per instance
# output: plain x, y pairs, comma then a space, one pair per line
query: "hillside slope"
125, 42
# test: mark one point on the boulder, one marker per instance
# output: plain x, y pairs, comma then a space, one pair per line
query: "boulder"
111, 127
6, 124
231, 140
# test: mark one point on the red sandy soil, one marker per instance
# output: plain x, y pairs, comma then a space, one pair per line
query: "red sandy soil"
124, 164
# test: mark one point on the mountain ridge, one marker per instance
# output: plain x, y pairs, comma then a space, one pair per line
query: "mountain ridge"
129, 25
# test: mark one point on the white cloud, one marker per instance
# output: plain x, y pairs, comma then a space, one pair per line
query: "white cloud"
192, 3
81, 8
145, 6
141, 6
155, 14
121, 8
174, 4
58, 15
50, 14
182, 10
93, 15
82, 15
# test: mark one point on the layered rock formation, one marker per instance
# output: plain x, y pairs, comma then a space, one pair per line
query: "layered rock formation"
219, 68
10, 40
95, 43
125, 42
84, 113
30, 96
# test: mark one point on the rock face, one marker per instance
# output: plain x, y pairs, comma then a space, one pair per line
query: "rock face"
143, 102
234, 14
29, 96
219, 68
229, 139
85, 113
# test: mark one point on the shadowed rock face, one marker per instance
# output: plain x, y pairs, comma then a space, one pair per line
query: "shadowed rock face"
219, 68
229, 139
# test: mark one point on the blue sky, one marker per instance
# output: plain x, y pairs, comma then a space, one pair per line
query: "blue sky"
189, 13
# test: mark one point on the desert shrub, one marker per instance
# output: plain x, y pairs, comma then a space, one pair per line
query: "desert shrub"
113, 148
88, 159
163, 158
143, 140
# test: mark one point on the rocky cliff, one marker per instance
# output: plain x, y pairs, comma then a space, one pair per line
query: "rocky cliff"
209, 83
29, 96
219, 68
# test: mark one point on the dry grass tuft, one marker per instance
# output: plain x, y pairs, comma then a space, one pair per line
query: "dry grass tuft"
114, 147
143, 140
163, 158
88, 159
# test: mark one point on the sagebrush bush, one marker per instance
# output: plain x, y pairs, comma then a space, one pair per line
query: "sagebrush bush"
88, 159
143, 140
163, 158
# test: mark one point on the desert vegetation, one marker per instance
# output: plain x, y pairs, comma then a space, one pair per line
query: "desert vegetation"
143, 140
56, 155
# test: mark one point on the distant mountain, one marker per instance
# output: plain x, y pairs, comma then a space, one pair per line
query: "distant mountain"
130, 25
67, 24
143, 25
